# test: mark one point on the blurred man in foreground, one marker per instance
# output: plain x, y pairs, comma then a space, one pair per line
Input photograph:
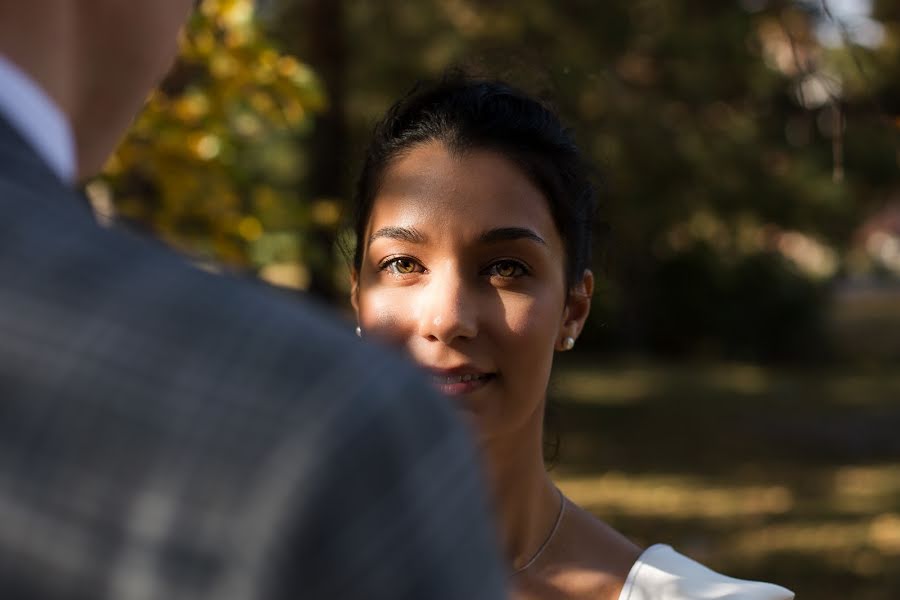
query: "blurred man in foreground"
166, 433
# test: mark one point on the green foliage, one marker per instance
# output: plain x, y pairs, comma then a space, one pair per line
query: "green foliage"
760, 308
693, 115
723, 126
212, 164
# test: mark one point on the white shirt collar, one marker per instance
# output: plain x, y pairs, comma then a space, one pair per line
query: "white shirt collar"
37, 119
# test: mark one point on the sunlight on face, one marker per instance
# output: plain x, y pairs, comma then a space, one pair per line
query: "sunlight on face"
465, 269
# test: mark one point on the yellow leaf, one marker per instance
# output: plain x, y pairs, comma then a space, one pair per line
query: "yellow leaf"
250, 229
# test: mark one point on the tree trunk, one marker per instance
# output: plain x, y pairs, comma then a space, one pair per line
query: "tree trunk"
313, 30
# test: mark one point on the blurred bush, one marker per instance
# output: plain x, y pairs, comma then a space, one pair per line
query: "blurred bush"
213, 165
759, 308
740, 146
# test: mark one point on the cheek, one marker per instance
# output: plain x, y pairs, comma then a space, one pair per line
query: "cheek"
387, 313
531, 325
534, 319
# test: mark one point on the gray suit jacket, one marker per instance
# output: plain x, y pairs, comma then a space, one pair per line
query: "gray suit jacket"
166, 433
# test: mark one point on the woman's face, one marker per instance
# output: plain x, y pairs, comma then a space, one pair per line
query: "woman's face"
465, 269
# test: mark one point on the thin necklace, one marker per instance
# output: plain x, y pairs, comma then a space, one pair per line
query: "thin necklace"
537, 554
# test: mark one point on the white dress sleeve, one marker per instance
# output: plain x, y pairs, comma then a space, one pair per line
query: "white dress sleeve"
661, 573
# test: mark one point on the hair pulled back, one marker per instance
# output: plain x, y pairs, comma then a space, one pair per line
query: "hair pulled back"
466, 113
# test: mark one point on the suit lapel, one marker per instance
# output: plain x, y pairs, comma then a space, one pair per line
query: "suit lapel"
20, 162
23, 169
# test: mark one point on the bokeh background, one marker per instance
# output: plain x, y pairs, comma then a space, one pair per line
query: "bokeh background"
737, 391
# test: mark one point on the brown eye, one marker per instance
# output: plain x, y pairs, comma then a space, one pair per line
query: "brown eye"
507, 269
404, 265
401, 266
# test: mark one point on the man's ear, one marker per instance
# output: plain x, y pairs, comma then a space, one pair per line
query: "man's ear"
354, 290
578, 307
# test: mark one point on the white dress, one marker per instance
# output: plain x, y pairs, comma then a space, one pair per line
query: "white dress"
661, 573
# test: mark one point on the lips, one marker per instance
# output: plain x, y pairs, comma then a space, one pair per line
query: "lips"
451, 379
455, 382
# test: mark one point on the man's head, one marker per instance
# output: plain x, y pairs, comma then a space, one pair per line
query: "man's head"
97, 59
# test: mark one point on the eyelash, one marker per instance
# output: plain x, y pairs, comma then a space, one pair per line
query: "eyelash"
521, 268
389, 265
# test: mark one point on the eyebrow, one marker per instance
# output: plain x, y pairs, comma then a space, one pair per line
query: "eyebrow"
500, 234
403, 234
506, 234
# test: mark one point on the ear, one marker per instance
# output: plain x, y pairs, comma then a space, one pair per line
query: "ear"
354, 291
578, 307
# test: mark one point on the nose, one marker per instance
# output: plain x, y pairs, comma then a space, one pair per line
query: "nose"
449, 312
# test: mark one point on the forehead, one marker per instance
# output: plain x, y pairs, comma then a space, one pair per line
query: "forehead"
460, 193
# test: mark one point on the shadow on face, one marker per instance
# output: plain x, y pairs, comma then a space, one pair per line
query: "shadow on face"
464, 268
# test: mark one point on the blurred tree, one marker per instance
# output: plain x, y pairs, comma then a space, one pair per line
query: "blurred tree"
314, 29
723, 132
738, 150
212, 164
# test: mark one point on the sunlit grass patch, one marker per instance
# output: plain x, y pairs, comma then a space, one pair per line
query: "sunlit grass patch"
787, 475
596, 381
868, 547
866, 489
674, 497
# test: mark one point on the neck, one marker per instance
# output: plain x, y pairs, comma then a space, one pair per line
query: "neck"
526, 500
34, 39
39, 39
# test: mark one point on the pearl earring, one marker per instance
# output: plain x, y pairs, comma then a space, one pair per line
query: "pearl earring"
358, 331
568, 343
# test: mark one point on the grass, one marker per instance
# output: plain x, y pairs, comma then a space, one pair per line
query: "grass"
791, 476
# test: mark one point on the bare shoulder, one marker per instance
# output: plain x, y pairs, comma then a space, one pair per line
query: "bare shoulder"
588, 560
